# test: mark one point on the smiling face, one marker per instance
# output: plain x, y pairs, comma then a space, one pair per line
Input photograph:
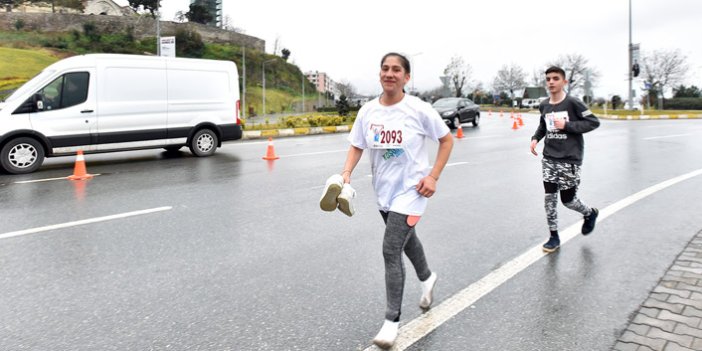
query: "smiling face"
555, 82
393, 75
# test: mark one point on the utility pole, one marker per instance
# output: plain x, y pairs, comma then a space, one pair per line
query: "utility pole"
263, 69
158, 28
631, 99
303, 93
243, 105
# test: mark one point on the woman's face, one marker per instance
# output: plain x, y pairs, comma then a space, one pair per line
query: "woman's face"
393, 76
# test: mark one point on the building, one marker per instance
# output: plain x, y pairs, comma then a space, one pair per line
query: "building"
215, 9
91, 7
107, 7
323, 83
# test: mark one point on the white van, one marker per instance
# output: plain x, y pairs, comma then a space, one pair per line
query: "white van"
106, 102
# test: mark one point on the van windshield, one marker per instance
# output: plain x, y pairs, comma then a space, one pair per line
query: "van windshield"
32, 84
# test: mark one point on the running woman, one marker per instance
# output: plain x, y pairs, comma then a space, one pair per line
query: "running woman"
394, 128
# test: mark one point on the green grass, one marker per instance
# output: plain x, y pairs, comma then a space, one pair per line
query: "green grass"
19, 65
276, 101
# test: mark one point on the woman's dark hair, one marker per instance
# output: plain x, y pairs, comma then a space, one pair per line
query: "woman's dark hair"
403, 60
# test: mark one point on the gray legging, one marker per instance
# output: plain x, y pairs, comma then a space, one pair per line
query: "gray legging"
399, 237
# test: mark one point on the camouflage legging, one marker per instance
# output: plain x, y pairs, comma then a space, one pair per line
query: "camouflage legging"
566, 178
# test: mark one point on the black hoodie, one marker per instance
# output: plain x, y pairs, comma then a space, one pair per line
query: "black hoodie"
566, 145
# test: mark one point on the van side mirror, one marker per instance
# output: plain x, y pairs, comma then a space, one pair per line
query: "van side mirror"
38, 102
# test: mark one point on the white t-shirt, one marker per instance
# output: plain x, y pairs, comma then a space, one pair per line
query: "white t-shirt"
396, 137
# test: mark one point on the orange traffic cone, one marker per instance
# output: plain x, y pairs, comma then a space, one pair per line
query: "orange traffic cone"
500, 113
511, 114
521, 121
459, 133
515, 125
79, 171
489, 113
270, 153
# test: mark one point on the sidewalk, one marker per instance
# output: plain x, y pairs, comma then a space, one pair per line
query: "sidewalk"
671, 318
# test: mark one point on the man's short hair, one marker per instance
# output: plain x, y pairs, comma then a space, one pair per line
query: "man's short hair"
556, 69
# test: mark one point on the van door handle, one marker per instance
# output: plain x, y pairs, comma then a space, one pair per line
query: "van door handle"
86, 111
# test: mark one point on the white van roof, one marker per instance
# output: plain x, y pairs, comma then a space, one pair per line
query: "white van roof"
89, 60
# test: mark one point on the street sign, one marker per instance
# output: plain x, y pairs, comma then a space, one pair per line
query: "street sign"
168, 46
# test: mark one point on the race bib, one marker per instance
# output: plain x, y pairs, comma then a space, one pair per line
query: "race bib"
385, 135
552, 117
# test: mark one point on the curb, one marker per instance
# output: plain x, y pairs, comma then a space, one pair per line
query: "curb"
260, 134
644, 117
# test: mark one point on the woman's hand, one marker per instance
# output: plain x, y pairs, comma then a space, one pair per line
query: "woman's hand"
427, 186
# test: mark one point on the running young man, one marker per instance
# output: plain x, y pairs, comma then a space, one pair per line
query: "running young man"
564, 119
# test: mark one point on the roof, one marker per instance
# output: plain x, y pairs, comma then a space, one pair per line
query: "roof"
534, 92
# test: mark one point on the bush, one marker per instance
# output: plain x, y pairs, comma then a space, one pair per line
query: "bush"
189, 44
682, 104
91, 32
19, 24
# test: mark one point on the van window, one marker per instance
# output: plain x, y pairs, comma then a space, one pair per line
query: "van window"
65, 91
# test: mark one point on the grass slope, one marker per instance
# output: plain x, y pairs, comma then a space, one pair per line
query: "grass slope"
19, 65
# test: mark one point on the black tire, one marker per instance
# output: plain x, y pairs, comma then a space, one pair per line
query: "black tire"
173, 148
204, 143
476, 120
456, 122
22, 155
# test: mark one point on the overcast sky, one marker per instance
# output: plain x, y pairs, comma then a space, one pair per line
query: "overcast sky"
347, 39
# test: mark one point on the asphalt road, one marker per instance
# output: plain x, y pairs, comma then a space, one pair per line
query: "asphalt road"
240, 257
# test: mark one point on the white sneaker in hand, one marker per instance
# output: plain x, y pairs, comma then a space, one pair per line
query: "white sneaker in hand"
331, 191
387, 335
345, 200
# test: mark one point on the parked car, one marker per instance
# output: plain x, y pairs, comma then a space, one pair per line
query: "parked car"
456, 110
531, 103
105, 102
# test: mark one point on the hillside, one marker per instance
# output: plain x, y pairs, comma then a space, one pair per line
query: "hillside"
19, 65
25, 53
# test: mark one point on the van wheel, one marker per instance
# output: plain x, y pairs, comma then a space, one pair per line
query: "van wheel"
22, 155
203, 143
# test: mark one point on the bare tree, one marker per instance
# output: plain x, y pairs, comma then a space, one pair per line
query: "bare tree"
538, 78
346, 88
509, 78
664, 68
459, 74
576, 67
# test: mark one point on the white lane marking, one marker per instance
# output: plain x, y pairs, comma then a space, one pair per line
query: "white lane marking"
82, 222
421, 326
667, 136
46, 180
447, 165
315, 153
456, 164
484, 137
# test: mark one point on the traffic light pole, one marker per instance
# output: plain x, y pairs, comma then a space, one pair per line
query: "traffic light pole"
631, 99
